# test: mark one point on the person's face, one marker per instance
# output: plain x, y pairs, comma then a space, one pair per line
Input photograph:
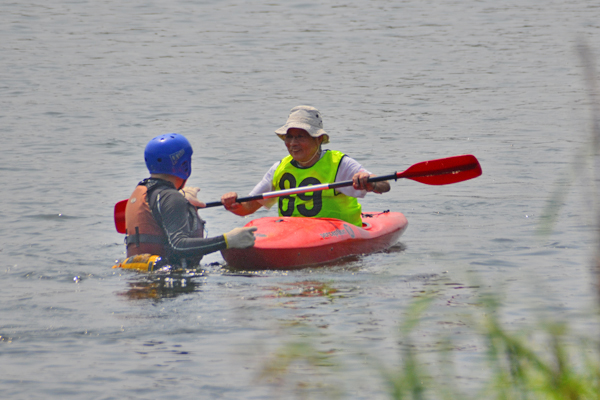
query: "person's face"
300, 144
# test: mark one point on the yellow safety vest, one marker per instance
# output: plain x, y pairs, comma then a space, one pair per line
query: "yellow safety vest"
321, 204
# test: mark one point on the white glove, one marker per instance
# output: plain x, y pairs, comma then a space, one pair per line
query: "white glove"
191, 195
240, 238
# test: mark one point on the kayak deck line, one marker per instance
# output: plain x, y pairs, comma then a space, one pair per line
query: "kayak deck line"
297, 242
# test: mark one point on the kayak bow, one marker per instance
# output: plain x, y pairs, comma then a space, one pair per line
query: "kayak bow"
292, 242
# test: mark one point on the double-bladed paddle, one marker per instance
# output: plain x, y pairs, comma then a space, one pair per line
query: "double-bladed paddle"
443, 171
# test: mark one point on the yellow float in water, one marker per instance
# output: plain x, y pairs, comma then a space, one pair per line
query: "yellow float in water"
141, 262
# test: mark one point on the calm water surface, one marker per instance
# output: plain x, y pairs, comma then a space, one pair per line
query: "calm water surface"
84, 85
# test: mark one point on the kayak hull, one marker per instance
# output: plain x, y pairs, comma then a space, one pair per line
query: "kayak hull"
290, 242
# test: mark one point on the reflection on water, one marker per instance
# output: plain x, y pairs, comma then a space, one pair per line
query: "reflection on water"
397, 248
304, 289
162, 285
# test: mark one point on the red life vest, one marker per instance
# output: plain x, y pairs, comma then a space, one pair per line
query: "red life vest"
144, 236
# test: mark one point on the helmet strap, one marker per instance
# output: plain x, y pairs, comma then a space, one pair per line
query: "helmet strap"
183, 181
175, 180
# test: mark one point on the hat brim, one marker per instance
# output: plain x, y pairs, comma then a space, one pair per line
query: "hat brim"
313, 131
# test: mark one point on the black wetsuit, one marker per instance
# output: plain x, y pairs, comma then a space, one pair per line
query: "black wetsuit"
179, 220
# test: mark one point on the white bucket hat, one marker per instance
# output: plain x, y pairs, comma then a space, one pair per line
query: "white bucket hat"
307, 118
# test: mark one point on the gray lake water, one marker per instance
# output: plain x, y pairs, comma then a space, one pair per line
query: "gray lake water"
85, 84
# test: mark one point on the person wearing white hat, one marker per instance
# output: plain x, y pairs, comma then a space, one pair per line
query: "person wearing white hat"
308, 164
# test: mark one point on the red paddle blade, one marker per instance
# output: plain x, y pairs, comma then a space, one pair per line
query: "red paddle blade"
120, 216
443, 171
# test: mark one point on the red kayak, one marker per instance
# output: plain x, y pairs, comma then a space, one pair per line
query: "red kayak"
291, 242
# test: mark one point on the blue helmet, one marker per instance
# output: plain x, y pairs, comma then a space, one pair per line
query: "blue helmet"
169, 154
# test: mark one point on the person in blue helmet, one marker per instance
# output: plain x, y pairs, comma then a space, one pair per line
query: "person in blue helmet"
161, 214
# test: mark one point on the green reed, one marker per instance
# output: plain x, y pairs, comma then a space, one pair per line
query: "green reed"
544, 361
539, 362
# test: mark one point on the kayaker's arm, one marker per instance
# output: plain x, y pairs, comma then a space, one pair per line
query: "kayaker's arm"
241, 209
